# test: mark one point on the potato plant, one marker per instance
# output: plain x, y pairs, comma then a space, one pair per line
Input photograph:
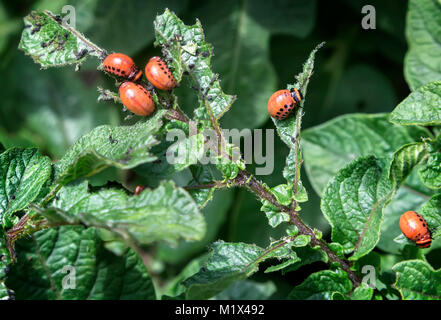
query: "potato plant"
71, 226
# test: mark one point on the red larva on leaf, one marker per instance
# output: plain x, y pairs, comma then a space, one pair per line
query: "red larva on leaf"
136, 98
283, 102
159, 75
139, 189
415, 228
122, 66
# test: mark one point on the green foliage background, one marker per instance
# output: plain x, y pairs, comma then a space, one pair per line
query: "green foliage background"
258, 47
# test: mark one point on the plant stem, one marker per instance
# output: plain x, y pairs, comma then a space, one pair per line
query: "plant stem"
256, 187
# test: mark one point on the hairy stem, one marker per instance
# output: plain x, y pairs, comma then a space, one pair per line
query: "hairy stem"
244, 178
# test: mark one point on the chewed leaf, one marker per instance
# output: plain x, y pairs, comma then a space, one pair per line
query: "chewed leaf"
51, 43
188, 51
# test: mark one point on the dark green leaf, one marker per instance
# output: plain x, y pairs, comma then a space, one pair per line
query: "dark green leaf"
321, 285
52, 257
165, 213
416, 280
23, 173
353, 203
423, 27
247, 290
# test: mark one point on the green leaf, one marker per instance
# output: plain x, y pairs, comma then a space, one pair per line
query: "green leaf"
404, 160
353, 203
165, 213
274, 215
283, 194
170, 29
430, 174
431, 212
230, 262
123, 147
362, 292
51, 43
301, 240
247, 290
321, 285
421, 107
23, 173
50, 256
329, 147
416, 280
423, 26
